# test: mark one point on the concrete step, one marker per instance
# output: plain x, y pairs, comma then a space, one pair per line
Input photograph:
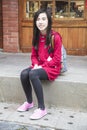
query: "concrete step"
67, 91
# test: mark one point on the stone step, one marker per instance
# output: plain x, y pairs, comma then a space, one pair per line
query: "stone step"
67, 91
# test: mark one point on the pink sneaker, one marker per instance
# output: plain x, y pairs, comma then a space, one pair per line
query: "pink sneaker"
38, 113
25, 107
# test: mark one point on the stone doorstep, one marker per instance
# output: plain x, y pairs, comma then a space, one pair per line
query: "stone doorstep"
69, 90
60, 93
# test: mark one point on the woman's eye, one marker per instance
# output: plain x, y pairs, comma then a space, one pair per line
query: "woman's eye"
43, 18
38, 19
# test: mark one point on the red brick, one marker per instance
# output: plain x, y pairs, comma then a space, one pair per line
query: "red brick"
1, 27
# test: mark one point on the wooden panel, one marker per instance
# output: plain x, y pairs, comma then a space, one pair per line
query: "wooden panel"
74, 40
86, 40
26, 42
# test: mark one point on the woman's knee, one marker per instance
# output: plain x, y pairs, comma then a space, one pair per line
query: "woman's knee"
24, 74
33, 74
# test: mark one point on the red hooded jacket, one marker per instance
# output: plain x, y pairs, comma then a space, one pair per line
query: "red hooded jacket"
52, 67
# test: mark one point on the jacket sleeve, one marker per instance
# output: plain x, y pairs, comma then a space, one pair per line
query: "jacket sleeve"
34, 56
56, 59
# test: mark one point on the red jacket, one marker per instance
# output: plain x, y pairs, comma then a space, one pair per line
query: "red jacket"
39, 57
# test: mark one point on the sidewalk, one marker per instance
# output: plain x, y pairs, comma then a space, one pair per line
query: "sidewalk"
56, 119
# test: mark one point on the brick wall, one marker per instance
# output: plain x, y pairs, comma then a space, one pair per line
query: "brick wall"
1, 29
10, 26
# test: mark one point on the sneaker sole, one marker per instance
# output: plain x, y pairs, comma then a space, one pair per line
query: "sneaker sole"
25, 110
37, 118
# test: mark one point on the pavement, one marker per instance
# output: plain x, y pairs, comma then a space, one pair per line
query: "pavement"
58, 118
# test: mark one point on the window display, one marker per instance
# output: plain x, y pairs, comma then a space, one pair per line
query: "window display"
69, 8
48, 5
31, 7
58, 8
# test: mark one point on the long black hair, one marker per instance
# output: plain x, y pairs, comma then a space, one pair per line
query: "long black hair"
36, 32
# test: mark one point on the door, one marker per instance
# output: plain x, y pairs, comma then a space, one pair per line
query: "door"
27, 8
25, 28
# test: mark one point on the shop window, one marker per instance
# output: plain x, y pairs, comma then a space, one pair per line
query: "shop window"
57, 8
69, 9
33, 6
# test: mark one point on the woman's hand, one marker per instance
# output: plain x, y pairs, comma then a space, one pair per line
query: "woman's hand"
37, 66
49, 58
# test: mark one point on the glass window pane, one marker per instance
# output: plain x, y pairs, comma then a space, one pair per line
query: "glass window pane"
47, 4
31, 7
69, 8
61, 9
77, 8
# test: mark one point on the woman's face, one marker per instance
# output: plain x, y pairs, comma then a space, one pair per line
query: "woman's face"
42, 22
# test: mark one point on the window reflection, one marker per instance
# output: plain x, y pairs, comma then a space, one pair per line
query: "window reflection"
31, 8
61, 9
74, 9
77, 8
47, 5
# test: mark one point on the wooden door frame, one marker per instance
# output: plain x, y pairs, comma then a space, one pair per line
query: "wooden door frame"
1, 28
19, 19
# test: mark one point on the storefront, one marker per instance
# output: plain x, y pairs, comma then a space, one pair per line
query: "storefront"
69, 19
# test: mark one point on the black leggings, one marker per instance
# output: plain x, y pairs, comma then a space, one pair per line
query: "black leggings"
34, 76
